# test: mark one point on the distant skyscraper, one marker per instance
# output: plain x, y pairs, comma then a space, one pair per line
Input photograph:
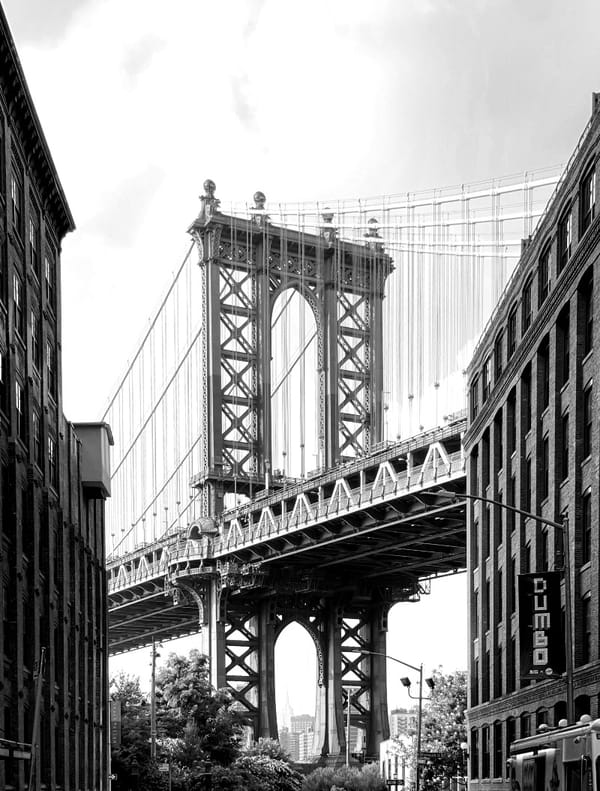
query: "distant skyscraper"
402, 722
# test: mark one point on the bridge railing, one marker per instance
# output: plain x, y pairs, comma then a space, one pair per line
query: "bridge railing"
183, 555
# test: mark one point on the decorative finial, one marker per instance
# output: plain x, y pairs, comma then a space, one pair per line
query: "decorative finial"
259, 213
372, 234
209, 204
328, 229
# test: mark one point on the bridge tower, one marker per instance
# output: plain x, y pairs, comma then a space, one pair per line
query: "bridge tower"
245, 265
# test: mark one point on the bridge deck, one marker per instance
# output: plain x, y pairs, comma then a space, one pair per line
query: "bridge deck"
386, 518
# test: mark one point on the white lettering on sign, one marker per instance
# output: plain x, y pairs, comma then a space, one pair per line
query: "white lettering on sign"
541, 622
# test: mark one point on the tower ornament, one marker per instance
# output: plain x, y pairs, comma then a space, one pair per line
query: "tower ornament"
209, 205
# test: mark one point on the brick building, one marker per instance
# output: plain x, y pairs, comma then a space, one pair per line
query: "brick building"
53, 481
533, 442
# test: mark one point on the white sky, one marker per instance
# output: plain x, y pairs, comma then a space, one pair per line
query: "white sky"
142, 100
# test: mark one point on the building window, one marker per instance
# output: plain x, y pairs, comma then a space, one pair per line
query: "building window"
18, 305
511, 422
526, 309
527, 558
587, 421
511, 494
498, 359
511, 332
52, 461
21, 421
474, 753
51, 369
545, 469
498, 762
16, 202
564, 344
564, 447
511, 735
36, 347
565, 239
474, 397
586, 625
544, 277
544, 549
526, 399
485, 381
511, 666
36, 425
485, 751
544, 372
3, 380
587, 294
34, 242
527, 484
50, 279
525, 725
587, 198
586, 527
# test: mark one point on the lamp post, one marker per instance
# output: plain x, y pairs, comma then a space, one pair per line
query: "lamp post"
406, 683
563, 526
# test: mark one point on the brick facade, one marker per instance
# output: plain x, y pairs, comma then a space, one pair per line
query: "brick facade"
52, 592
533, 442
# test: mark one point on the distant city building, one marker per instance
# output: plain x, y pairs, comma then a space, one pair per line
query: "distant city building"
533, 443
306, 746
301, 723
402, 722
394, 763
54, 477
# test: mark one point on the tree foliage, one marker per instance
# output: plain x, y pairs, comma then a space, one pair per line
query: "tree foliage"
348, 778
443, 730
183, 687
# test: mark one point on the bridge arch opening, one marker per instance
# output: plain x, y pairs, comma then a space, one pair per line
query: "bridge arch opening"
294, 386
296, 674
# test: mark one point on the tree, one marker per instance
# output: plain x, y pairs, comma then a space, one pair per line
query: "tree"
130, 761
443, 729
345, 778
183, 687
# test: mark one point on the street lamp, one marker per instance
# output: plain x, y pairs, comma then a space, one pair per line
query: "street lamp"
431, 684
563, 526
406, 683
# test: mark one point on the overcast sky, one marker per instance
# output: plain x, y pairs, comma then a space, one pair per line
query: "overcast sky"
142, 100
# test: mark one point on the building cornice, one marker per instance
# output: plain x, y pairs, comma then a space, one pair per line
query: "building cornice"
21, 107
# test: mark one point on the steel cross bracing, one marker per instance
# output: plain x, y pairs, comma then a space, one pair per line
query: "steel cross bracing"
333, 553
335, 549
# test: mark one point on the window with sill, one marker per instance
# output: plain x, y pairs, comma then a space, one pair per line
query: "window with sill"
485, 381
587, 200
52, 462
20, 416
544, 482
586, 526
563, 361
511, 332
587, 421
586, 628
564, 447
587, 297
34, 241
544, 276
50, 279
498, 355
474, 397
18, 305
526, 307
16, 202
565, 239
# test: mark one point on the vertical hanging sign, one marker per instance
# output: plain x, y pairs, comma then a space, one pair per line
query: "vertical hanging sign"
541, 637
115, 723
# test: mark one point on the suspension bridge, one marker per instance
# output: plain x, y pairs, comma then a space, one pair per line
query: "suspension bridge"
289, 423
